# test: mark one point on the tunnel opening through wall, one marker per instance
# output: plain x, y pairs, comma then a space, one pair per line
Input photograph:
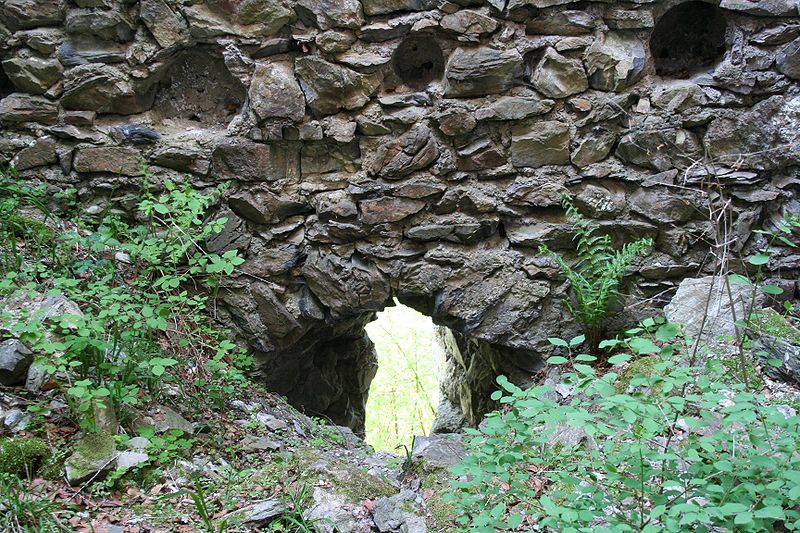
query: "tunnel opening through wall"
418, 61
688, 39
404, 394
197, 90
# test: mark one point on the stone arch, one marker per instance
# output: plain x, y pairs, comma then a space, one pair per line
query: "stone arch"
311, 346
688, 38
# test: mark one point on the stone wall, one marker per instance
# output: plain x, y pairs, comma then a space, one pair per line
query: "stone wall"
415, 149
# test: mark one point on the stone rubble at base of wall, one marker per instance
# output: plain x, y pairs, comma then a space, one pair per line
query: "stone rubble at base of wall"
415, 149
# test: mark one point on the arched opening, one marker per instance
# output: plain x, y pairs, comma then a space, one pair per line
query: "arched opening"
418, 61
688, 39
197, 88
404, 395
6, 86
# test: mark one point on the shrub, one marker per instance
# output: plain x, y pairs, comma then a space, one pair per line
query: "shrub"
142, 314
680, 449
595, 277
21, 456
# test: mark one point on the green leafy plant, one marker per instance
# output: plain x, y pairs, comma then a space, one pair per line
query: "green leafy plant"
141, 314
680, 448
596, 276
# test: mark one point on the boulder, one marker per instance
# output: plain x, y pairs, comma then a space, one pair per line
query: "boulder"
563, 22
15, 359
469, 23
382, 7
772, 8
481, 71
24, 14
442, 450
538, 144
401, 512
703, 307
556, 76
383, 210
513, 108
329, 14
414, 150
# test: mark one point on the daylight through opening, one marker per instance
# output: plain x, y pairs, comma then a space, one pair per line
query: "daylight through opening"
405, 392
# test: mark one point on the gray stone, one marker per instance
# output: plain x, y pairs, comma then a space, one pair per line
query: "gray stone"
599, 202
563, 22
774, 8
167, 27
36, 377
110, 24
703, 307
334, 13
556, 76
262, 513
440, 450
265, 207
329, 87
414, 150
16, 420
25, 14
382, 7
678, 96
105, 89
784, 348
481, 71
133, 133
593, 147
20, 107
166, 419
41, 153
615, 62
253, 443
383, 210
513, 108
665, 206
275, 93
32, 73
539, 144
113, 159
788, 59
138, 444
243, 160
394, 514
660, 148
468, 22
15, 358
264, 17
131, 459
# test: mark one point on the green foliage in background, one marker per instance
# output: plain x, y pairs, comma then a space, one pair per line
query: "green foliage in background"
140, 289
596, 276
681, 448
404, 394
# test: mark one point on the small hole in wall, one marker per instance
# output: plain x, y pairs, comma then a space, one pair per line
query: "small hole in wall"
6, 87
689, 38
418, 61
405, 392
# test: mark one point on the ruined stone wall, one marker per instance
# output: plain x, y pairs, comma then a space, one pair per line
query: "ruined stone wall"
415, 149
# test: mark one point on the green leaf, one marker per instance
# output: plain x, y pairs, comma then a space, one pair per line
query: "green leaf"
738, 279
619, 358
557, 360
772, 511
643, 346
158, 370
585, 357
667, 332
743, 518
771, 289
576, 341
758, 259
733, 508
555, 341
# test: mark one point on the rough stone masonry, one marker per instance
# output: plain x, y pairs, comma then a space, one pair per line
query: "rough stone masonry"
416, 149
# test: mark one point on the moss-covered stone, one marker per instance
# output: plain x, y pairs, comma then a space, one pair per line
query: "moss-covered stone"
442, 513
93, 456
644, 366
770, 322
22, 456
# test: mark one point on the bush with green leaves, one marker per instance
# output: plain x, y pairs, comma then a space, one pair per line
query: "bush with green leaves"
682, 447
142, 289
595, 277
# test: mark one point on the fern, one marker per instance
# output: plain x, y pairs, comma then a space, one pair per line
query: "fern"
596, 276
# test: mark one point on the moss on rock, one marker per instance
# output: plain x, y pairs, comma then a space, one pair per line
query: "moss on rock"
644, 366
22, 456
93, 455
